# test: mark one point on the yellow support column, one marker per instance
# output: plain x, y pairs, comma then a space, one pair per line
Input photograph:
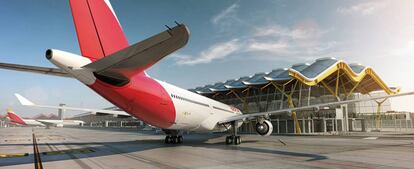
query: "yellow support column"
378, 116
294, 117
245, 103
290, 102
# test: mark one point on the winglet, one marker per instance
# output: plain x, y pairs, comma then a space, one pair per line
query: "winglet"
23, 100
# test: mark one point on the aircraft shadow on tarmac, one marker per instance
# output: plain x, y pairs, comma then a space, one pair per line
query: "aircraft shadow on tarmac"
82, 150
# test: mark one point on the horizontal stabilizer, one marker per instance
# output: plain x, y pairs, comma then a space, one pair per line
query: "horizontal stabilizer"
35, 69
142, 55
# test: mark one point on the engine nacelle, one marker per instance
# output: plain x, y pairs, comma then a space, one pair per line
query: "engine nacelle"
265, 128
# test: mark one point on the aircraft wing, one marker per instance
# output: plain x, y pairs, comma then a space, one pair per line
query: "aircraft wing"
244, 117
49, 122
140, 56
26, 102
35, 69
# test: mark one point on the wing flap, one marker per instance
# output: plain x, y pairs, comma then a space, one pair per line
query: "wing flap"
142, 55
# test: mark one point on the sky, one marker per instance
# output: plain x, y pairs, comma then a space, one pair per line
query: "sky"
229, 39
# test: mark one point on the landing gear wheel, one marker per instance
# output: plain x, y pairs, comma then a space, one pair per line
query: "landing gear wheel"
173, 136
237, 140
233, 138
173, 139
167, 139
180, 139
229, 140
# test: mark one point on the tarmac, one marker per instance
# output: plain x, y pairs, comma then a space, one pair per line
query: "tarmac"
25, 147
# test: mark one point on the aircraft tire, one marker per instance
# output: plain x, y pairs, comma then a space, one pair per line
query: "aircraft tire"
180, 139
229, 140
237, 140
174, 139
167, 140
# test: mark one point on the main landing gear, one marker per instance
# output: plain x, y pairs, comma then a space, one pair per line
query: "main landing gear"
173, 137
233, 138
236, 140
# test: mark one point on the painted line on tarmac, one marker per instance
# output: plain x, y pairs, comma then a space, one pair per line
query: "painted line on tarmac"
14, 155
282, 142
72, 151
370, 138
14, 140
36, 153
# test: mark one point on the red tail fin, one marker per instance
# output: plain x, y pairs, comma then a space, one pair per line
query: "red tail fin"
15, 118
98, 29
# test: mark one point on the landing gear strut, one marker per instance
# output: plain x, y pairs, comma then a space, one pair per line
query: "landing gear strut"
233, 138
173, 137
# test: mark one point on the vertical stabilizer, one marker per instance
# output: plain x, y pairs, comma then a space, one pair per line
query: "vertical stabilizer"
97, 27
15, 118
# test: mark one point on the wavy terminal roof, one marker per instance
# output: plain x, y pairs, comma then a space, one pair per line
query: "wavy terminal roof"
358, 78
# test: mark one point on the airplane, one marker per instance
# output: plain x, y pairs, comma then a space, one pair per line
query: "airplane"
14, 118
116, 70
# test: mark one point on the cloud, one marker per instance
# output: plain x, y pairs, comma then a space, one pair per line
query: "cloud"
303, 40
275, 41
366, 8
273, 46
217, 51
226, 21
302, 32
307, 29
225, 14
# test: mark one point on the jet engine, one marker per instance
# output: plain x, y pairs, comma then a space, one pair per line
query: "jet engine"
264, 128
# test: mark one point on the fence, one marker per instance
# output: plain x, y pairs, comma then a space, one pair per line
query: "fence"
386, 125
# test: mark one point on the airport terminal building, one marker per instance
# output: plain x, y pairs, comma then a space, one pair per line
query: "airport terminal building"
325, 80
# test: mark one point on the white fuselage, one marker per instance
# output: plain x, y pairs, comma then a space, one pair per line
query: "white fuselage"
195, 112
31, 122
